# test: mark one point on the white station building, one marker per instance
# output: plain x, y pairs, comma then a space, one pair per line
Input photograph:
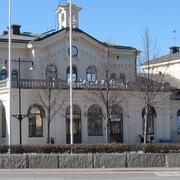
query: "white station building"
49, 55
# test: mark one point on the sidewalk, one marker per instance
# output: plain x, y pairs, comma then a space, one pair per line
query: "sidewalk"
100, 170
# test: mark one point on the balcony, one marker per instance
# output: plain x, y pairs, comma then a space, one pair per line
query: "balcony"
60, 84
80, 85
3, 84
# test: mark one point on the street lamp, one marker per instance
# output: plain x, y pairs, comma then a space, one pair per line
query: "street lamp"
20, 116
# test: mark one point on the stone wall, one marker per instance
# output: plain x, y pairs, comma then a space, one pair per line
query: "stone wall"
114, 160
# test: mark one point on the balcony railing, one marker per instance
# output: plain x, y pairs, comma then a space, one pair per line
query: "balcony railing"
87, 85
60, 84
3, 84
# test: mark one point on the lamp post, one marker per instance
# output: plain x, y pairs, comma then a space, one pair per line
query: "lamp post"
20, 116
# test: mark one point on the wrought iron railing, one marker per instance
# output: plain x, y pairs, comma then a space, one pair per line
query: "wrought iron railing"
3, 83
60, 84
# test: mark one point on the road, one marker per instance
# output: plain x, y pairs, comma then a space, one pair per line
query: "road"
90, 174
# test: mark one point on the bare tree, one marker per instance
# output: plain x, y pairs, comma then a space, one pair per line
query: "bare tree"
150, 84
109, 92
52, 101
51, 95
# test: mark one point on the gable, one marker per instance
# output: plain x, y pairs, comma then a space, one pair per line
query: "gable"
51, 38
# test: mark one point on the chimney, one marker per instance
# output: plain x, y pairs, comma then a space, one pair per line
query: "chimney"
16, 29
174, 49
5, 32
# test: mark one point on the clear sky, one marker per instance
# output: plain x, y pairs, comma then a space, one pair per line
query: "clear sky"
119, 21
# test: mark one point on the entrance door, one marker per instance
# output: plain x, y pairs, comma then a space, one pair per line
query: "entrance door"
76, 125
116, 131
116, 125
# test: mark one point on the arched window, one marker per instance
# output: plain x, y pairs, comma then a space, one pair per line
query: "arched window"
51, 72
91, 74
178, 121
94, 121
116, 120
74, 74
36, 114
14, 75
3, 121
150, 119
76, 111
3, 74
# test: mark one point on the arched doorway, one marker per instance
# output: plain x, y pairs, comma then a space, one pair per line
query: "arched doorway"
116, 125
76, 124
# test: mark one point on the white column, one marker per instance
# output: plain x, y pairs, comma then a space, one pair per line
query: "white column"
70, 80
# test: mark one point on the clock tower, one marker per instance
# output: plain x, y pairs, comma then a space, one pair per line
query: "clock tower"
63, 16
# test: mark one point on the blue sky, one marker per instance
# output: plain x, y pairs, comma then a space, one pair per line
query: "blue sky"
119, 21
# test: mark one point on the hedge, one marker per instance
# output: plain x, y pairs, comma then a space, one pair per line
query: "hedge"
87, 148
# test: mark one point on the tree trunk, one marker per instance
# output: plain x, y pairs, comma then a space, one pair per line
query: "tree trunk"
107, 129
48, 132
145, 125
49, 115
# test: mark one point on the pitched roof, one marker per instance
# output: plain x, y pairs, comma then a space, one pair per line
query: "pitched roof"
44, 36
166, 58
164, 78
28, 37
21, 38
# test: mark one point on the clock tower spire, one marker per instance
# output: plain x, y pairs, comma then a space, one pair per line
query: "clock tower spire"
63, 16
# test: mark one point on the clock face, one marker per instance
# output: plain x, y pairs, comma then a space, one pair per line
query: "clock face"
74, 51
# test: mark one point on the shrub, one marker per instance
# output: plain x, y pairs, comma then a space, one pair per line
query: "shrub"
4, 149
91, 148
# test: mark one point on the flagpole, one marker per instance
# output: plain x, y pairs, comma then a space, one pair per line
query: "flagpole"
9, 74
70, 79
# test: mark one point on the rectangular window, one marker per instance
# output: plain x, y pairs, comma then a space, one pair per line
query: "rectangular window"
113, 76
122, 78
88, 77
93, 77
